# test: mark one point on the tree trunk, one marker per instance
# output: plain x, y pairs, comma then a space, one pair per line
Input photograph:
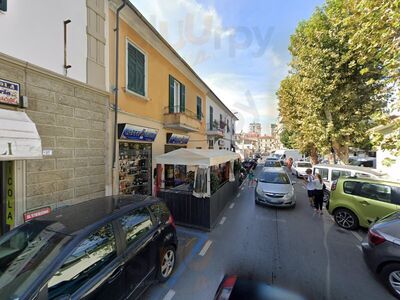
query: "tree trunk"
314, 155
342, 152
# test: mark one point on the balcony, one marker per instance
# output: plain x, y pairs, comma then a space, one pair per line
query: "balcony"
186, 120
214, 129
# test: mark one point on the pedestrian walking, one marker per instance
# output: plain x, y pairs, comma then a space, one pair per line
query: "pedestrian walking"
310, 186
290, 164
251, 177
318, 193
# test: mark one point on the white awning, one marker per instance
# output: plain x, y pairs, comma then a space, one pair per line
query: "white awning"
196, 157
19, 138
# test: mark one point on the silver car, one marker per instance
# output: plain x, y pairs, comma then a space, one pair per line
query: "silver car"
274, 188
381, 250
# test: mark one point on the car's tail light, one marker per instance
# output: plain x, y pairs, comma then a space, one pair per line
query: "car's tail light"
226, 288
375, 238
171, 221
333, 186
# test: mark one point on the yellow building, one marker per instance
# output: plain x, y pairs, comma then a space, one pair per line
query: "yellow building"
161, 101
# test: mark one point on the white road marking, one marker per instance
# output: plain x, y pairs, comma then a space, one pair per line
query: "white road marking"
169, 295
205, 248
222, 220
358, 237
359, 248
303, 187
232, 205
238, 195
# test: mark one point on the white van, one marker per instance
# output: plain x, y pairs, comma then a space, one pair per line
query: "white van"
284, 154
329, 173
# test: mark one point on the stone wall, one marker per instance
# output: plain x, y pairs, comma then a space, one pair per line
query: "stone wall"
71, 120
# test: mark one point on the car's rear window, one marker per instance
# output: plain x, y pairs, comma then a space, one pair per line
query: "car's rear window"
274, 177
304, 165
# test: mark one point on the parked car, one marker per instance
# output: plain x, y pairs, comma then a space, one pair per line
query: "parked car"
236, 288
274, 188
299, 168
360, 201
381, 250
330, 173
249, 164
106, 248
273, 164
284, 154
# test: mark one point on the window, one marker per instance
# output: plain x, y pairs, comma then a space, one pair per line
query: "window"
323, 172
176, 96
374, 191
211, 118
199, 112
349, 187
227, 125
160, 211
136, 224
136, 70
211, 144
338, 173
3, 5
84, 263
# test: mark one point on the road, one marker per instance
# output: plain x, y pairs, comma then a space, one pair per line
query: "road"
290, 248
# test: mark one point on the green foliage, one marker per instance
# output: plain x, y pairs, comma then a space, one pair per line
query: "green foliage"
342, 75
287, 139
214, 182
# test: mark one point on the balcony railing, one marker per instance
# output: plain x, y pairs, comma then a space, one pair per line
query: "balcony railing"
181, 118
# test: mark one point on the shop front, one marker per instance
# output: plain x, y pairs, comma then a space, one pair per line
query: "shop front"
175, 175
19, 141
135, 159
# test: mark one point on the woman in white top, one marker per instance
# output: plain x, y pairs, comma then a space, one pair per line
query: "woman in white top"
318, 193
310, 186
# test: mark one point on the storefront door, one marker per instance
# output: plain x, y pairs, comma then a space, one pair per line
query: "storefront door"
135, 168
174, 174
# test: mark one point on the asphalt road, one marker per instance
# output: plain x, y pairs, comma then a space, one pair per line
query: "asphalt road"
290, 248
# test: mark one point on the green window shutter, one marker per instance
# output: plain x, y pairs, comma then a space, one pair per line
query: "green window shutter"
136, 70
199, 108
211, 118
3, 5
183, 98
171, 94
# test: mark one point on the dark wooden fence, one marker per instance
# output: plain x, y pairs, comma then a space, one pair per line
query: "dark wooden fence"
201, 213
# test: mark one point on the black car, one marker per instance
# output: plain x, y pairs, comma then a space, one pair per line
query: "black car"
237, 288
107, 248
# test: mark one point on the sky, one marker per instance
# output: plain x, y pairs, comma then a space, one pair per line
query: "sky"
239, 48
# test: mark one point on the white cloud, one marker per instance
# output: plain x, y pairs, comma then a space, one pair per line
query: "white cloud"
185, 23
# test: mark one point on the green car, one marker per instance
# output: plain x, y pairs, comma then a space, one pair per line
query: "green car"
358, 202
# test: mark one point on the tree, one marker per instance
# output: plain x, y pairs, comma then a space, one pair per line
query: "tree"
330, 96
286, 138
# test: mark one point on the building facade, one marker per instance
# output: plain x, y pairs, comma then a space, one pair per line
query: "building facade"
161, 104
220, 124
53, 126
255, 128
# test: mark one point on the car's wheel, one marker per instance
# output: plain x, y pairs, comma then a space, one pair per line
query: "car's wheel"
167, 263
346, 219
390, 275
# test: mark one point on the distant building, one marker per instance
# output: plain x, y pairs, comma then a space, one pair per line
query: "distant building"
273, 129
255, 128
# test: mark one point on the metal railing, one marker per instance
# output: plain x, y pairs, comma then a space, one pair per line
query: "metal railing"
214, 127
180, 110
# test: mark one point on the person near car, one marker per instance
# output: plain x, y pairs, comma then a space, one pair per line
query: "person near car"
310, 186
318, 193
251, 177
289, 164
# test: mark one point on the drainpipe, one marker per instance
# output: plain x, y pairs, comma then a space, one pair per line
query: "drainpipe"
116, 83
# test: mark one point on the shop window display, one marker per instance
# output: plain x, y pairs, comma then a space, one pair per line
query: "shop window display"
134, 168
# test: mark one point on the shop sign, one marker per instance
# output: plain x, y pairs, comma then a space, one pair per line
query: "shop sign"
36, 213
136, 133
9, 92
178, 139
10, 190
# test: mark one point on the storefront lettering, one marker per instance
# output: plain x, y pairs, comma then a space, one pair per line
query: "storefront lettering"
137, 133
9, 92
10, 208
8, 151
